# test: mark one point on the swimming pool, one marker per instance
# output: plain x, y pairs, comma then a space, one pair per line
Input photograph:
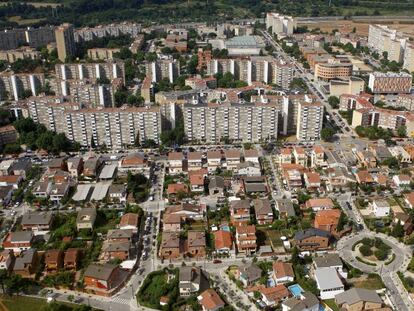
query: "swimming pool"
296, 290
225, 227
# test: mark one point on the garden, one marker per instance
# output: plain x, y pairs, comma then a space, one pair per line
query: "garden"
373, 250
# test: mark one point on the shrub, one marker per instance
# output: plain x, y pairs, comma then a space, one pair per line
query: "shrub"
381, 254
365, 250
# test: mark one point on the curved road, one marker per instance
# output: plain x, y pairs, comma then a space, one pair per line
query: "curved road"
388, 273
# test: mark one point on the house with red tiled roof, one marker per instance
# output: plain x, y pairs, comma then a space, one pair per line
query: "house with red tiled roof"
129, 221
223, 242
409, 199
364, 177
175, 162
319, 204
272, 296
174, 190
401, 180
196, 182
210, 300
246, 239
327, 220
194, 161
285, 156
282, 272
312, 180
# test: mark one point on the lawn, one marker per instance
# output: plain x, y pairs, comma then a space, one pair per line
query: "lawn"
373, 281
274, 237
331, 304
22, 303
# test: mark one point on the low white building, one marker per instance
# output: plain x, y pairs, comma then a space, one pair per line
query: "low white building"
381, 208
401, 180
329, 283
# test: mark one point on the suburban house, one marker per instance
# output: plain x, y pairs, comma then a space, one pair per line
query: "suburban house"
6, 195
213, 160
191, 281
196, 182
171, 222
115, 250
328, 282
239, 211
304, 302
117, 193
401, 180
246, 239
7, 259
223, 242
300, 156
210, 300
175, 162
327, 220
285, 208
232, 158
21, 167
36, 221
187, 210
11, 180
129, 221
248, 274
194, 161
196, 243
317, 156
54, 260
86, 218
330, 260
100, 279
26, 264
91, 166
381, 208
134, 163
175, 190
59, 191
251, 155
75, 166
359, 299
272, 296
71, 259
312, 180
18, 241
170, 247
263, 211
409, 199
312, 239
283, 272
285, 156
216, 185
248, 169
319, 204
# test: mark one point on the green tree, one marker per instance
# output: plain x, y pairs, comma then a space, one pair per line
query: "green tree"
402, 131
398, 230
333, 102
365, 250
327, 133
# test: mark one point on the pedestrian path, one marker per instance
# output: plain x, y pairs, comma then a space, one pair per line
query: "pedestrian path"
124, 301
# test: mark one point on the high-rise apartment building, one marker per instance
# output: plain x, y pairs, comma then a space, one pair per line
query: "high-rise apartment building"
40, 37
212, 122
382, 39
163, 68
65, 41
13, 86
409, 57
281, 25
309, 121
390, 82
20, 53
91, 71
113, 30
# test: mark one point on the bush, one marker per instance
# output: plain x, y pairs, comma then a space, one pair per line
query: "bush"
367, 241
365, 250
381, 254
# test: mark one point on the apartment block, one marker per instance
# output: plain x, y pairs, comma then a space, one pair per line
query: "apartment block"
102, 31
12, 38
239, 122
147, 90
21, 53
382, 39
408, 61
13, 85
102, 53
113, 127
310, 120
91, 71
352, 85
333, 69
35, 37
65, 41
390, 82
282, 25
163, 68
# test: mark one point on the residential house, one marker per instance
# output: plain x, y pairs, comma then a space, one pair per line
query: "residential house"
41, 189
194, 161
328, 282
248, 169
59, 191
312, 180
129, 221
11, 180
312, 239
364, 177
196, 182
75, 166
21, 167
401, 154
216, 185
409, 199
7, 259
248, 274
366, 159
338, 178
91, 166
380, 152
251, 155
401, 180
134, 163
359, 299
26, 264
246, 239
170, 247
239, 211
317, 157
196, 243
300, 156
191, 280
210, 300
319, 204
214, 159
263, 211
327, 220
381, 208
330, 260
100, 279
175, 190
6, 194
232, 158
187, 210
71, 259
53, 260
56, 164
272, 296
285, 208
18, 241
282, 272
120, 235
117, 193
5, 166
304, 302
406, 221
171, 222
36, 221
285, 156
86, 218
115, 250
175, 162
223, 242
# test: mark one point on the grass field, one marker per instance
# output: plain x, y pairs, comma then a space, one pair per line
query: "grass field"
372, 281
23, 22
22, 303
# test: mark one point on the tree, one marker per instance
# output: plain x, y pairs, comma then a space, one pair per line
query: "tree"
402, 131
12, 149
341, 222
398, 230
327, 133
365, 250
120, 97
333, 102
